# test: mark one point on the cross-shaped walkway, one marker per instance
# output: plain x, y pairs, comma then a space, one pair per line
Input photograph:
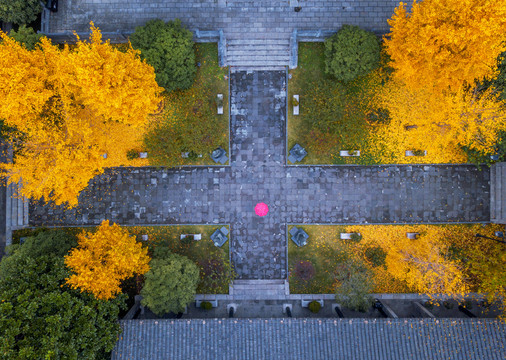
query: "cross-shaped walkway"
258, 173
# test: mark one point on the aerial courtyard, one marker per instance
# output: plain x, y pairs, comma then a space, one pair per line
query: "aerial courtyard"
306, 167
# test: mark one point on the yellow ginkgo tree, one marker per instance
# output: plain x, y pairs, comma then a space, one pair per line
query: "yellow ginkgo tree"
424, 264
446, 44
103, 259
76, 110
440, 123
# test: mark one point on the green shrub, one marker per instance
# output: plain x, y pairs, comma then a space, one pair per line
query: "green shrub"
206, 305
314, 306
19, 11
379, 116
351, 52
376, 255
132, 154
170, 284
356, 237
27, 36
353, 293
168, 47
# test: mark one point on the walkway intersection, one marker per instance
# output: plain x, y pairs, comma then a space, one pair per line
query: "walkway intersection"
258, 173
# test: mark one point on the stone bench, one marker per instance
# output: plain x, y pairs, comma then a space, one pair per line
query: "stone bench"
196, 237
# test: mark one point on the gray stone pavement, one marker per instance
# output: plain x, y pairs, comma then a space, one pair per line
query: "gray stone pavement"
259, 18
295, 194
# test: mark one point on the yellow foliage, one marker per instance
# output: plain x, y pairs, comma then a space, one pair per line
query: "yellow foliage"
446, 44
103, 259
440, 123
426, 264
78, 110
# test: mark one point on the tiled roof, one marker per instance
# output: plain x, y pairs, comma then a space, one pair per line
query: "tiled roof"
312, 339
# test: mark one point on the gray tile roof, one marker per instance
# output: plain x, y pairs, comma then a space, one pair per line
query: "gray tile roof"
312, 339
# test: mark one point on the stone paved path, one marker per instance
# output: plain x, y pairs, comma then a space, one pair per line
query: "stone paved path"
235, 17
257, 172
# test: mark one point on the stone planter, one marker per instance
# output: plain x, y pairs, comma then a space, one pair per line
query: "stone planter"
349, 153
412, 235
295, 102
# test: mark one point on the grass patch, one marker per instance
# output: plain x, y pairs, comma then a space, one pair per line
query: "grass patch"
189, 121
329, 257
333, 114
214, 263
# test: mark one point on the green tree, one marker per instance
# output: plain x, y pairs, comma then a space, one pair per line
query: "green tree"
19, 11
168, 47
27, 36
351, 52
354, 289
170, 284
40, 317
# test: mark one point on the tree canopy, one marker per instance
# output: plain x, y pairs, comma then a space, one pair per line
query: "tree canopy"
103, 259
20, 11
445, 44
168, 47
41, 317
170, 284
76, 111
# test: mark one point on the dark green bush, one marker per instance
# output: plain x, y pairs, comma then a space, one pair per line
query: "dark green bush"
376, 255
170, 284
19, 11
40, 316
356, 237
379, 116
314, 306
351, 52
355, 287
168, 47
206, 305
132, 154
27, 36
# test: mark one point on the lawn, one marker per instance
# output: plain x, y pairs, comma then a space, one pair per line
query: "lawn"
329, 256
213, 262
314, 267
189, 122
333, 114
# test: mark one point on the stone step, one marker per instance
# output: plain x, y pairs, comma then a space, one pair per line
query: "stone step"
242, 42
254, 57
259, 282
258, 63
258, 52
277, 47
257, 68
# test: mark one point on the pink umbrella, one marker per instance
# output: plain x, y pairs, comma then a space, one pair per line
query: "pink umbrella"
261, 209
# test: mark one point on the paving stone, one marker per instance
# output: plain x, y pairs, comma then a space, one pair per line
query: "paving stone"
258, 173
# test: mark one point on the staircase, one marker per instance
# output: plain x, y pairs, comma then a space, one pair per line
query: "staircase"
16, 211
498, 193
260, 53
259, 289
